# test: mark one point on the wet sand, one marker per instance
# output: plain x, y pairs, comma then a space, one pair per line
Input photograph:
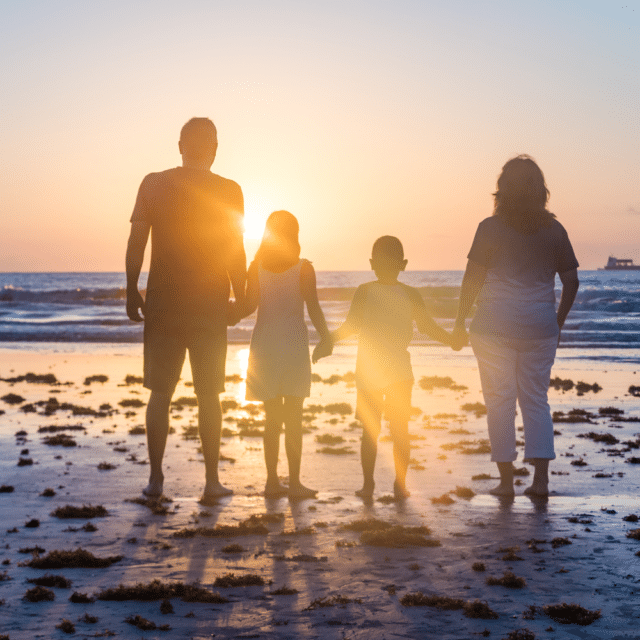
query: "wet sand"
345, 587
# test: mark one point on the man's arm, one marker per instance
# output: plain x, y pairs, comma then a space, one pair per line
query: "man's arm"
135, 255
236, 257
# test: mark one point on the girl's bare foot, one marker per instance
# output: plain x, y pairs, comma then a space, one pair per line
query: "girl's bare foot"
213, 490
366, 491
274, 490
400, 492
300, 492
154, 488
502, 490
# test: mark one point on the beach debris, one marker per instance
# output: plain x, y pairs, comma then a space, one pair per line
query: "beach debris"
231, 580
88, 619
299, 531
97, 378
632, 517
580, 519
368, 524
332, 601
35, 550
475, 407
483, 476
131, 379
560, 542
245, 528
233, 548
633, 460
81, 598
32, 524
445, 499
158, 590
138, 430
573, 416
464, 492
166, 607
48, 580
187, 401
303, 557
145, 625
559, 384
4, 576
106, 466
508, 579
479, 566
59, 440
475, 609
48, 493
387, 498
399, 537
133, 403
584, 387
55, 428
345, 544
66, 626
24, 462
336, 451
284, 591
13, 398
36, 378
571, 614
606, 438
428, 383
78, 559
7, 488
39, 594
336, 408
520, 634
634, 534
327, 438
85, 511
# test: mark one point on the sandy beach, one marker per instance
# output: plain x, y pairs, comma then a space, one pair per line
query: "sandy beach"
449, 539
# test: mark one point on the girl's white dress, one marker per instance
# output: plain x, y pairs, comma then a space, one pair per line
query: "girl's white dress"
279, 363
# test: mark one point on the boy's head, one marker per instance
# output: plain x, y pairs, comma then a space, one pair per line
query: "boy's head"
387, 256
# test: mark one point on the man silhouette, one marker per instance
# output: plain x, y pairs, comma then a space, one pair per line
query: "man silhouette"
195, 220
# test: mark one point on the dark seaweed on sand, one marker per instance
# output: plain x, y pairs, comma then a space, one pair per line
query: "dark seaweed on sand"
97, 378
80, 558
13, 398
445, 499
632, 517
7, 488
475, 407
230, 580
327, 438
428, 383
520, 634
60, 440
185, 401
54, 428
81, 598
336, 451
48, 493
58, 582
233, 548
25, 462
284, 591
85, 511
634, 534
464, 492
134, 403
39, 594
245, 528
66, 626
369, 524
331, 601
560, 542
157, 590
606, 438
35, 378
479, 609
482, 476
131, 379
571, 614
4, 576
397, 538
145, 625
479, 566
509, 579
475, 609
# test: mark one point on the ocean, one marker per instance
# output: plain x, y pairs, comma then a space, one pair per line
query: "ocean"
90, 307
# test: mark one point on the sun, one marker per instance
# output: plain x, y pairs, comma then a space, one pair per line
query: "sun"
254, 225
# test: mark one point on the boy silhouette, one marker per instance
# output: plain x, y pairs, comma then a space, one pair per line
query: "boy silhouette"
382, 314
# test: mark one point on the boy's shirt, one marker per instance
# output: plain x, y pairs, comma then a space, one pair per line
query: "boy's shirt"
383, 315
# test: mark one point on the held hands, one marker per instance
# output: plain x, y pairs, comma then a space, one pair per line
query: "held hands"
323, 349
459, 338
135, 304
235, 313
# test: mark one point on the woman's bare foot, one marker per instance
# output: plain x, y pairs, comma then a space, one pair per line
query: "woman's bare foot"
502, 490
274, 490
300, 492
213, 490
537, 489
366, 491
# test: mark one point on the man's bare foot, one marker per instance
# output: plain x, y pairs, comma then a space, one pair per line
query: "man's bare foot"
400, 492
366, 491
153, 489
213, 490
274, 490
300, 492
502, 490
540, 490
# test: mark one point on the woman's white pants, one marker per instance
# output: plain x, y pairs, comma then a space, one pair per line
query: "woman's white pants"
512, 369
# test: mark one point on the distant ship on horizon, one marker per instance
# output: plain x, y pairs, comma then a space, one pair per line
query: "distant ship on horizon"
620, 264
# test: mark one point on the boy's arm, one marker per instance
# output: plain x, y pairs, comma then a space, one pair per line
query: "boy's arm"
425, 323
354, 318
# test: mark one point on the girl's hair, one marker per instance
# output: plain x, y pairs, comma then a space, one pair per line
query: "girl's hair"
279, 248
521, 196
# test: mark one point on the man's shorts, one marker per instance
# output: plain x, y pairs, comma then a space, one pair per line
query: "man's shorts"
394, 401
168, 336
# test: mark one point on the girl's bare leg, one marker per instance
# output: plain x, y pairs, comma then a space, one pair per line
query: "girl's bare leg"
273, 410
293, 446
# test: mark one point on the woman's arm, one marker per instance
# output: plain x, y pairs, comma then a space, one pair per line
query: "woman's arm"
570, 285
472, 281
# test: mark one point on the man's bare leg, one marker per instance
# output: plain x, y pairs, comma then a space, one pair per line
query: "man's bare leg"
540, 484
210, 427
505, 488
157, 430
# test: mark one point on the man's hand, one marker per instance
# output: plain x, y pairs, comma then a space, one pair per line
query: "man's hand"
234, 313
459, 338
323, 349
135, 304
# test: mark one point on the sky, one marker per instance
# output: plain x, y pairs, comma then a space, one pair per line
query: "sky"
362, 118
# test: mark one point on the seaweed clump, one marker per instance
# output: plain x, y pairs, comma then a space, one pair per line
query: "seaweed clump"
145, 625
66, 626
475, 609
157, 590
80, 559
230, 580
398, 537
331, 601
571, 614
248, 527
58, 582
509, 579
634, 534
85, 511
39, 594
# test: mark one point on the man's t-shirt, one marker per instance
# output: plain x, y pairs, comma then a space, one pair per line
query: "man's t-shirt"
517, 299
383, 315
196, 238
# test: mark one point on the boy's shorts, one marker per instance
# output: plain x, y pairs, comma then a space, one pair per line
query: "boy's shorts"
394, 401
168, 336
